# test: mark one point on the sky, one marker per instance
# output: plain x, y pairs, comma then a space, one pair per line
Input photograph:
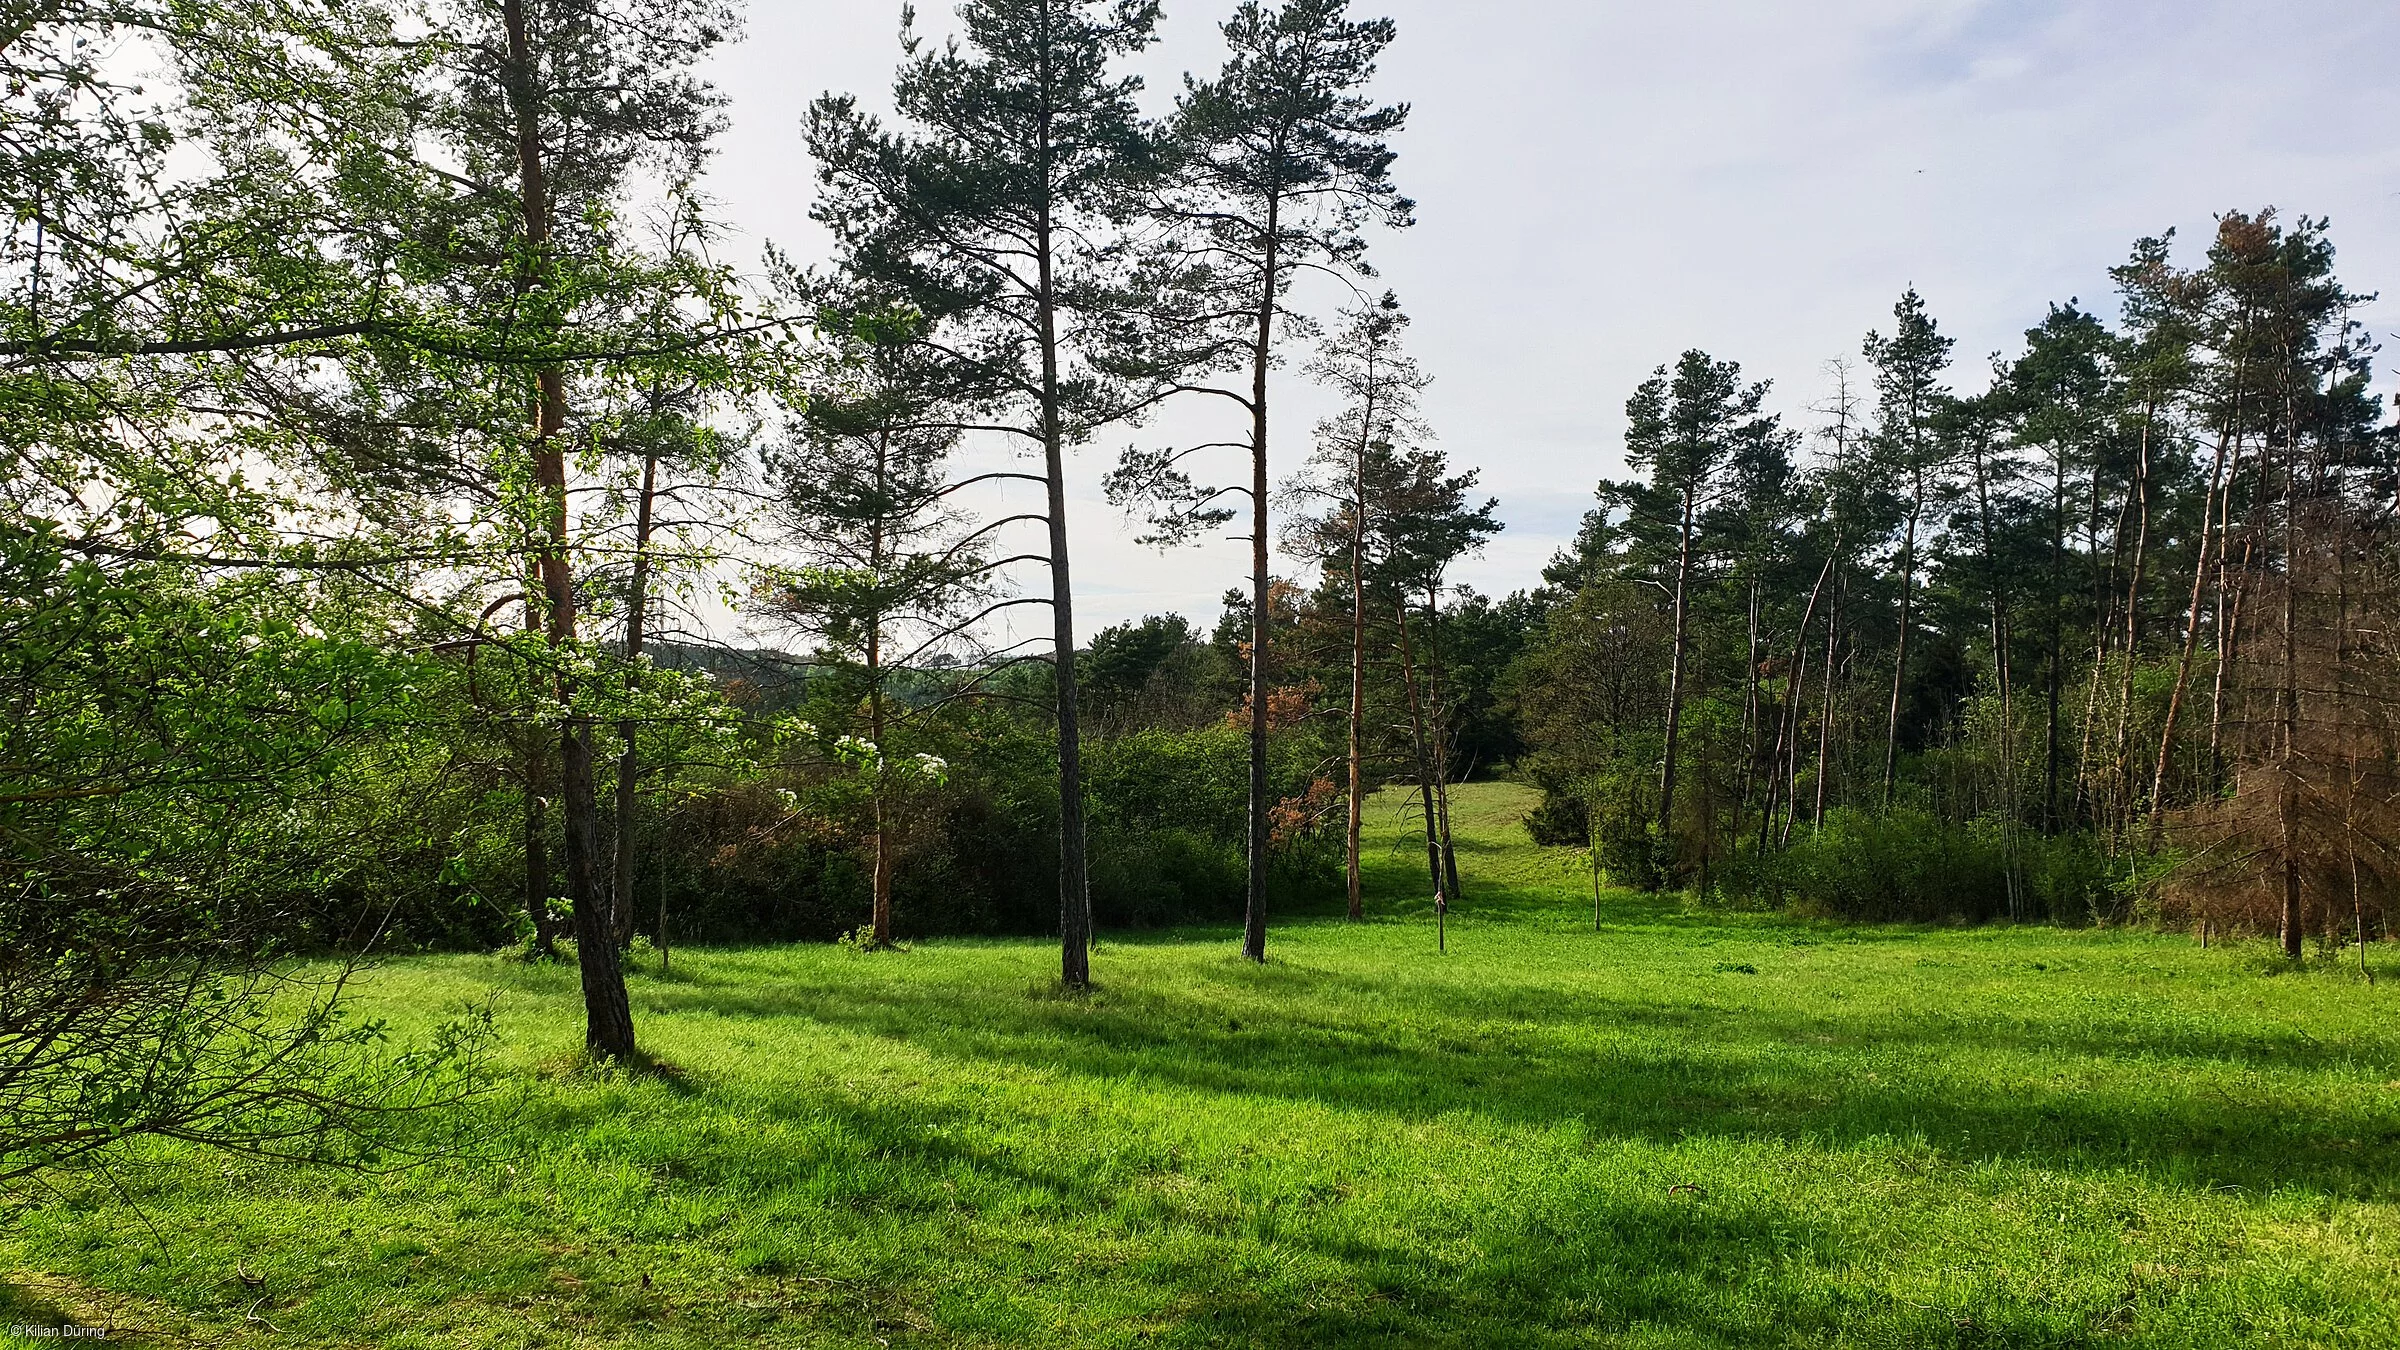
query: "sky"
1604, 184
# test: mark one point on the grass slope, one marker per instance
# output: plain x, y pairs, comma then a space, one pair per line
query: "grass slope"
1687, 1129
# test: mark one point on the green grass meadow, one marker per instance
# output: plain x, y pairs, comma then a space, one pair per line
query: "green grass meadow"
1685, 1129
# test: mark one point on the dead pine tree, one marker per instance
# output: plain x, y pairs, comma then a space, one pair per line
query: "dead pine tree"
2298, 841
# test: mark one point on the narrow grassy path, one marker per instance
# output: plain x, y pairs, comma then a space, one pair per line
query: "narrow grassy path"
1681, 1130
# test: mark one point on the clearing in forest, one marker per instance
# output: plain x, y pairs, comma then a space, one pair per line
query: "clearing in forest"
1685, 1129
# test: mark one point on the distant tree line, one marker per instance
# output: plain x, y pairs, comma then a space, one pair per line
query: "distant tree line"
2111, 634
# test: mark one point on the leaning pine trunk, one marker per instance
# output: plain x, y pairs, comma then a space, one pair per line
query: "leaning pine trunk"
2088, 803
2130, 805
1787, 724
2191, 645
2231, 591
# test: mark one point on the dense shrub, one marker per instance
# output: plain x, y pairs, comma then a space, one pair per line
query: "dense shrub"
1903, 866
1910, 866
1166, 839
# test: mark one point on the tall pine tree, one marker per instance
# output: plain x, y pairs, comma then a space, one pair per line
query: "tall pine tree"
1282, 160
996, 215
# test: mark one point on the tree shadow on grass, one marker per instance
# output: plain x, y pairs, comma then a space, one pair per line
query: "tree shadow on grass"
1556, 1263
1652, 1069
25, 1305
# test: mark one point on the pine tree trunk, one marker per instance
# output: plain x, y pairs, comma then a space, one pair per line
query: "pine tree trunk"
2051, 758
1074, 879
1074, 890
2000, 673
2232, 584
1908, 599
878, 729
1833, 633
1675, 673
2289, 713
1416, 722
2233, 594
2191, 643
2342, 713
1439, 725
637, 607
1254, 922
1752, 717
608, 1013
1787, 765
2286, 810
1787, 725
2090, 807
1358, 681
2122, 821
608, 1031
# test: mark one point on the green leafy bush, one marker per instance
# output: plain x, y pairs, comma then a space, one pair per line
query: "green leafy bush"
1167, 841
1910, 866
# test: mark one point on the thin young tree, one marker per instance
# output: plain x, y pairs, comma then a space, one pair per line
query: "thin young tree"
1857, 506
1430, 522
1977, 423
1755, 528
2159, 359
1358, 454
573, 94
886, 571
663, 433
996, 215
2058, 398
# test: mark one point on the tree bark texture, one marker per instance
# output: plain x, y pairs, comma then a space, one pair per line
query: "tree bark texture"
608, 1030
